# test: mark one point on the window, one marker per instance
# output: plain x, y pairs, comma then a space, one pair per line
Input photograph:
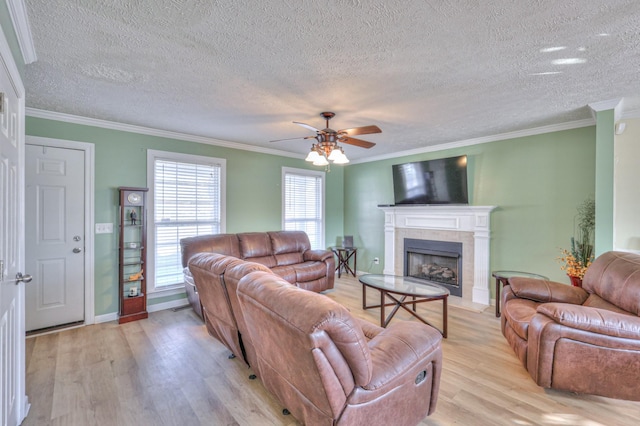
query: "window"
303, 203
186, 198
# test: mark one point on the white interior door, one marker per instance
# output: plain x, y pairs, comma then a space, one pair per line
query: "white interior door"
55, 240
13, 401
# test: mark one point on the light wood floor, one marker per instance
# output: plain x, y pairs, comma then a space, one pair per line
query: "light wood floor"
166, 370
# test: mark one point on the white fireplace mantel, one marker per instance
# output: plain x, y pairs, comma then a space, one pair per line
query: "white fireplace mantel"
469, 219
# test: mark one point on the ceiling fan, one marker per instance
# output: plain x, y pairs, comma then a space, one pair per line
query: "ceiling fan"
326, 146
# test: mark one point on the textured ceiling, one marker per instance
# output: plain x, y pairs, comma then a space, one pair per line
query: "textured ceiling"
426, 72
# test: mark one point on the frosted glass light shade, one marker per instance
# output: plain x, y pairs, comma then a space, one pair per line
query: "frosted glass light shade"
342, 159
335, 154
313, 156
320, 161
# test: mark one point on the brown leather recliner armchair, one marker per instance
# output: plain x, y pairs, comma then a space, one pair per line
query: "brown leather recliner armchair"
584, 340
328, 368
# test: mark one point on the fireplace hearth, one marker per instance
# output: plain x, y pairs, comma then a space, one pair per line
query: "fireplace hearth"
439, 262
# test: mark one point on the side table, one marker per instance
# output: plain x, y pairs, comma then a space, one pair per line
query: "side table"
502, 279
344, 255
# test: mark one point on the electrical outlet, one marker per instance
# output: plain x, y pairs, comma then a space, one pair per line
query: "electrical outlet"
376, 260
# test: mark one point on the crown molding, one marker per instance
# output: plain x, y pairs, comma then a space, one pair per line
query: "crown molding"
85, 121
484, 139
9, 64
615, 104
21, 26
635, 113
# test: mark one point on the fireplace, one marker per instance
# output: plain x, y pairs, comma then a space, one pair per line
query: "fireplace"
468, 225
439, 262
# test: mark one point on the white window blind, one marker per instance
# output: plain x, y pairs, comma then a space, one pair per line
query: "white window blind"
187, 202
303, 199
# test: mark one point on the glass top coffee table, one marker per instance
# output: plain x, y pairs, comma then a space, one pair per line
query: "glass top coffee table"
397, 289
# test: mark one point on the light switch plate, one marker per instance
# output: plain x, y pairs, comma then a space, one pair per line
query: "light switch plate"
104, 228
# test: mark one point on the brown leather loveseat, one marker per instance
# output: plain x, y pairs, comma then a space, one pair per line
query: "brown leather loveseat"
287, 253
584, 340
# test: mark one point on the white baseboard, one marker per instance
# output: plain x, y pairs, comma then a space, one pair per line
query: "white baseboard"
178, 303
113, 316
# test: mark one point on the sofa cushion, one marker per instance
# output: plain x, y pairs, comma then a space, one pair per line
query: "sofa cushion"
221, 243
309, 271
518, 313
615, 277
254, 244
256, 247
595, 320
289, 246
287, 273
595, 301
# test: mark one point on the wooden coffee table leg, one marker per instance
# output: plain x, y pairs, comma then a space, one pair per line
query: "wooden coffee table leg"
382, 317
364, 296
445, 315
498, 297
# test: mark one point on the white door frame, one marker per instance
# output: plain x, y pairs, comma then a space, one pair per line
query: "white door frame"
89, 209
22, 401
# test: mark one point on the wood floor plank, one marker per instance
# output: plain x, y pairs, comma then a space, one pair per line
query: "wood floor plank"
167, 370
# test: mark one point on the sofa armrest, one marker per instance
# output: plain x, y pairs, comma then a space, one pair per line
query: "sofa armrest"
594, 320
547, 291
317, 255
400, 347
369, 329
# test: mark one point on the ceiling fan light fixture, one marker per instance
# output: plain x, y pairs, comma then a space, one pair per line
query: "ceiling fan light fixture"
313, 155
320, 161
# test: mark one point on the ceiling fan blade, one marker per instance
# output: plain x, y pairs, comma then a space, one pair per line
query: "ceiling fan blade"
357, 142
290, 139
306, 126
364, 130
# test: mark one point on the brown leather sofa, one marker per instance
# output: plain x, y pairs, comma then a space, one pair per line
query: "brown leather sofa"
329, 368
287, 253
585, 340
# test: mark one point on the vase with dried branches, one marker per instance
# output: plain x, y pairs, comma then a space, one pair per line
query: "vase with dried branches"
577, 259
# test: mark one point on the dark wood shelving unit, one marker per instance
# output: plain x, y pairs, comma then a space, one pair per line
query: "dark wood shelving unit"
132, 254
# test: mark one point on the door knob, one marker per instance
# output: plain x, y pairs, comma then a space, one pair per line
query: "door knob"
23, 278
77, 250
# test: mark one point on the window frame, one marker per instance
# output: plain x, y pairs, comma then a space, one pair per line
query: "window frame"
152, 156
313, 173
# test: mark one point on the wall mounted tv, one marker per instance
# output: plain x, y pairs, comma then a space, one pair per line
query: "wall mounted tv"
441, 181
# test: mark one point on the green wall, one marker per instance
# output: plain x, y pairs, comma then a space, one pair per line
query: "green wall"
254, 197
536, 182
604, 180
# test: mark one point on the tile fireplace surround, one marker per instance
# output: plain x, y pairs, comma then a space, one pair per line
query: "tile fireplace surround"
469, 225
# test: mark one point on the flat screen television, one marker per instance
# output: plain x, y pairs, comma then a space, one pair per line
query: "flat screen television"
441, 181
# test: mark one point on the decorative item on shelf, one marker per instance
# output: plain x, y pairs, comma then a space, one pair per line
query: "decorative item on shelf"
133, 291
137, 276
134, 216
576, 260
